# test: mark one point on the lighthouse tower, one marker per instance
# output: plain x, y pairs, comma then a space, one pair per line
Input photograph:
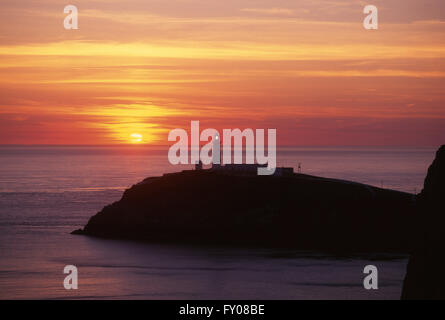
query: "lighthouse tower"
216, 151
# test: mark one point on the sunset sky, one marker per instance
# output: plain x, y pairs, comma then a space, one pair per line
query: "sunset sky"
144, 67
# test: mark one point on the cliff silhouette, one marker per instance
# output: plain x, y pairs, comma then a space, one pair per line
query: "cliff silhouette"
296, 211
424, 279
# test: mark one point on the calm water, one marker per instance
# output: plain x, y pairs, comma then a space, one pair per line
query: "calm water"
46, 192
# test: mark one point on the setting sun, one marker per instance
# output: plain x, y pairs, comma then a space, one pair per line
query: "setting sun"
136, 137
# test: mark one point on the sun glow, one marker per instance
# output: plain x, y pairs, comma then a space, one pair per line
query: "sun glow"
136, 137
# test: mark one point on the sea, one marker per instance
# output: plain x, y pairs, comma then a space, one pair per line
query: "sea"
48, 191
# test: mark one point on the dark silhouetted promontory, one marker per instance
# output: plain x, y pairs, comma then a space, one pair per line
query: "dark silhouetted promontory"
424, 278
293, 210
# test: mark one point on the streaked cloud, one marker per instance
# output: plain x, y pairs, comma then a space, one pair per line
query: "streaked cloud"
307, 68
270, 11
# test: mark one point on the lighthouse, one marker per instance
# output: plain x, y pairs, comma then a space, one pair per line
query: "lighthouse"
216, 150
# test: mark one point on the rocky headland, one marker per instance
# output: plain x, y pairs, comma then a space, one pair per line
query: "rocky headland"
295, 211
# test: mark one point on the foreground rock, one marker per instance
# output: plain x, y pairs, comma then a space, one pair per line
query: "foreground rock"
424, 278
297, 211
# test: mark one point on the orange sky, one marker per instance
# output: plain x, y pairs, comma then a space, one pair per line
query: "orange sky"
307, 68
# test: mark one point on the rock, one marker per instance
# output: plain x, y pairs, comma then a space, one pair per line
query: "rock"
424, 278
78, 231
298, 211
